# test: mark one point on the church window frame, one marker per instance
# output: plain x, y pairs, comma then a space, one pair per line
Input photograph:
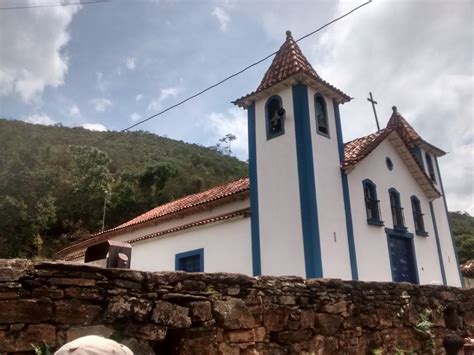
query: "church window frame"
322, 121
280, 130
396, 208
418, 214
430, 166
372, 204
190, 261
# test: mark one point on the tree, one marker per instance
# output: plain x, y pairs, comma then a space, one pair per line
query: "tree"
227, 140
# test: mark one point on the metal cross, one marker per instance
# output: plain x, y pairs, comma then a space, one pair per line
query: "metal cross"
371, 99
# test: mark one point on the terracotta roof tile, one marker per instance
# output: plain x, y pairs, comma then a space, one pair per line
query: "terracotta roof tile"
189, 201
289, 61
359, 148
168, 209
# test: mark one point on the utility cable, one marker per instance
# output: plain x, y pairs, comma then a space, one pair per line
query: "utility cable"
53, 4
241, 71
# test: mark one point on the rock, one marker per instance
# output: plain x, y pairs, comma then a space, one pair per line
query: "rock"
233, 314
129, 307
336, 308
233, 291
293, 336
287, 300
328, 324
71, 281
83, 293
152, 332
275, 318
75, 312
200, 311
9, 295
240, 336
172, 315
78, 332
13, 269
34, 334
25, 311
138, 346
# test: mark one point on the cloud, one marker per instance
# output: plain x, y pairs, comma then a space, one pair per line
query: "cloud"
135, 117
32, 46
41, 118
101, 83
139, 97
101, 104
156, 104
130, 63
223, 18
74, 111
232, 121
94, 127
424, 68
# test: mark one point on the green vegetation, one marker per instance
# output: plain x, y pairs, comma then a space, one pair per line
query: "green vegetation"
54, 180
463, 230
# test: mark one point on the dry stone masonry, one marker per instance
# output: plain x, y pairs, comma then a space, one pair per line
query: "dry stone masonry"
197, 313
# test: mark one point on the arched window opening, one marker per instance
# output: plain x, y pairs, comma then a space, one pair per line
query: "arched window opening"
397, 210
322, 124
418, 216
372, 207
274, 117
429, 163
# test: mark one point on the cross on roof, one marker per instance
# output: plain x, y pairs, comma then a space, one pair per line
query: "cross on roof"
371, 100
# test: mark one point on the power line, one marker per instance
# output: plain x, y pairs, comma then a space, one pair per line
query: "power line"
53, 4
241, 71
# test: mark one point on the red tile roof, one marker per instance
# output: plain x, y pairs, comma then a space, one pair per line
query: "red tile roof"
189, 201
359, 148
168, 209
289, 61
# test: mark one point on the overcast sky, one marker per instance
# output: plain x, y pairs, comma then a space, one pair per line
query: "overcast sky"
108, 65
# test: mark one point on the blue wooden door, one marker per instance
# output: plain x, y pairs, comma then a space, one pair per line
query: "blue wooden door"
402, 259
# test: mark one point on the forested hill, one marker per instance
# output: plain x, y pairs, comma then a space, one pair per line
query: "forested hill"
53, 181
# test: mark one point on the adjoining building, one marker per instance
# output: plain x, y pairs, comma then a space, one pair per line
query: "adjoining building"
371, 209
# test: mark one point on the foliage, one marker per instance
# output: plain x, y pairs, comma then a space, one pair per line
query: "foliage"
423, 327
54, 181
42, 349
463, 229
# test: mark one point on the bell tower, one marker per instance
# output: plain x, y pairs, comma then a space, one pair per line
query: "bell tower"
300, 218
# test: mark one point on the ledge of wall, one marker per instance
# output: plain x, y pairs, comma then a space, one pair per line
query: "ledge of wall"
181, 313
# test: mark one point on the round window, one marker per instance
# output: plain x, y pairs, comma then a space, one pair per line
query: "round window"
389, 163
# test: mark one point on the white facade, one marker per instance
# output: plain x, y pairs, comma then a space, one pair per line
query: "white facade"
281, 242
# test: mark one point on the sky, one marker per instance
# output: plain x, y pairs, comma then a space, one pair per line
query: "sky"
106, 66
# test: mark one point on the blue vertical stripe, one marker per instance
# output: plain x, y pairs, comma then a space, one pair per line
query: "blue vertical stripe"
449, 224
438, 244
347, 200
307, 186
254, 220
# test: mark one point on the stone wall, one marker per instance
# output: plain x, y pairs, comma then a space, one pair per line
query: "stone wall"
176, 312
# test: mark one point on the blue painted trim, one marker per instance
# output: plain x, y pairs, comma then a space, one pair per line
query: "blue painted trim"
438, 244
372, 221
307, 185
267, 119
254, 220
187, 254
400, 234
346, 196
398, 204
449, 223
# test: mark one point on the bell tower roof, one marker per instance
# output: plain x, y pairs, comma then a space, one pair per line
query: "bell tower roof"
288, 67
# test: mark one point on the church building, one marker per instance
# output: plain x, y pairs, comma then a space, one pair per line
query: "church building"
371, 209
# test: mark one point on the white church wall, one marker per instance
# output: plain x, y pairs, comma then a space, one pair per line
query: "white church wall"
180, 221
451, 268
227, 248
281, 241
371, 241
442, 222
329, 196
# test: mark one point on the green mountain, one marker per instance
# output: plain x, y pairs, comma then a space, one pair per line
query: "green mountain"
54, 180
463, 229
